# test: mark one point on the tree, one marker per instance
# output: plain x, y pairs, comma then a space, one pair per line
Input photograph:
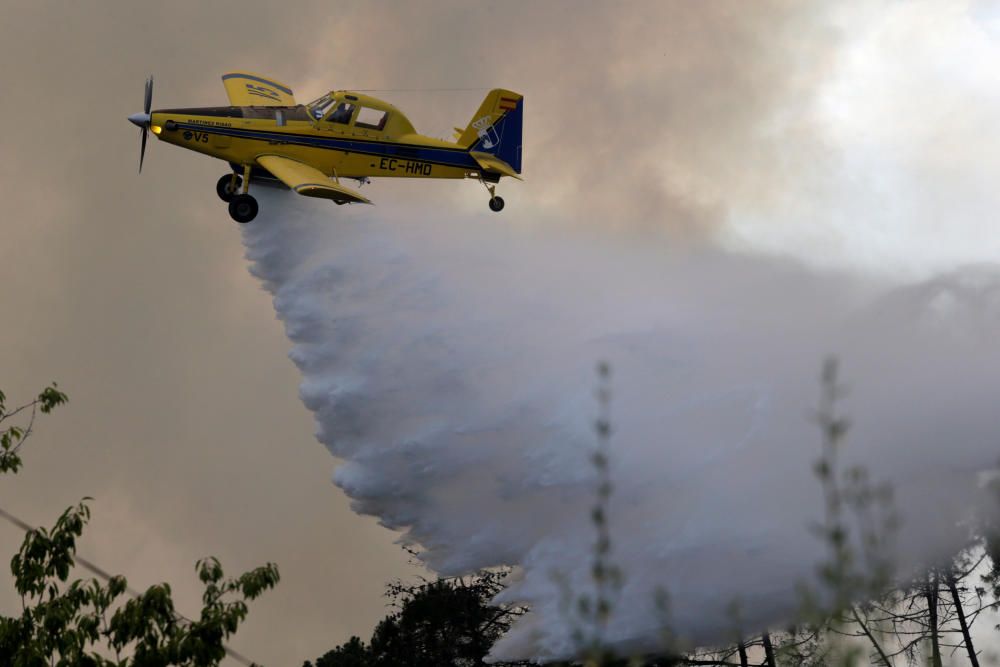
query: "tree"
13, 437
435, 624
82, 622
352, 654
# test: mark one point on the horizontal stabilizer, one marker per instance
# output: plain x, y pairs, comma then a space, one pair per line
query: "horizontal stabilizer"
309, 181
493, 163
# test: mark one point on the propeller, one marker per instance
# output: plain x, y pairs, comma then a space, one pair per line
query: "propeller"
142, 120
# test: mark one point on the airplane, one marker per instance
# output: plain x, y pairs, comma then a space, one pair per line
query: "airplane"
269, 139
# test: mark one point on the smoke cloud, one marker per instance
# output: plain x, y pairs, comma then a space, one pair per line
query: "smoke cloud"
450, 365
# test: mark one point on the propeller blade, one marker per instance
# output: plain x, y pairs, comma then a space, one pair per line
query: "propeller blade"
143, 123
149, 94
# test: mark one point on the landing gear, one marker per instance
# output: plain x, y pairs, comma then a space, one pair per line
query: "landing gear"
228, 186
496, 202
243, 208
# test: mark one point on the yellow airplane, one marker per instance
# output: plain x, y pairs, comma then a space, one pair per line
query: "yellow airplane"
268, 138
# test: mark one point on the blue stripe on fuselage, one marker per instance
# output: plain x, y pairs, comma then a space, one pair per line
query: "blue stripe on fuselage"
449, 157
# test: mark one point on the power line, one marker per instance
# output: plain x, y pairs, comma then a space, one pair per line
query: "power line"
103, 574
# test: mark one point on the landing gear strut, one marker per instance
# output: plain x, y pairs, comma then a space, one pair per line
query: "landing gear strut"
496, 202
242, 206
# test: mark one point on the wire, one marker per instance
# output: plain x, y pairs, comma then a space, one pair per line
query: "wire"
103, 574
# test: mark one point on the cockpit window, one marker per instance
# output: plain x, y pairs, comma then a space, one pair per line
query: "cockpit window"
373, 119
342, 114
319, 107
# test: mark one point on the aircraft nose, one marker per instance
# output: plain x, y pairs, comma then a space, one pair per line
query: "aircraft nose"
140, 119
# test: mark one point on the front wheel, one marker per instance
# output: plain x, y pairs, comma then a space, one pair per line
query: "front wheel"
496, 204
226, 189
243, 208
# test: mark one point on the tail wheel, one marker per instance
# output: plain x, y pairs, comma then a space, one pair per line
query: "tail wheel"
243, 208
496, 204
226, 189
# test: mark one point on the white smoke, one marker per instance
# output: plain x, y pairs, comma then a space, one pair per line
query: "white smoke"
450, 364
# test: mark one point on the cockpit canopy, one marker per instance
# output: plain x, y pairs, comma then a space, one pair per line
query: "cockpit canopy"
319, 108
360, 111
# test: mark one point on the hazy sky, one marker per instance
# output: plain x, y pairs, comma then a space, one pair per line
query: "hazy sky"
861, 136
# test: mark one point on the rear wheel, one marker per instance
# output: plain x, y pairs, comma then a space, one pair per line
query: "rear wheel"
226, 189
243, 208
496, 204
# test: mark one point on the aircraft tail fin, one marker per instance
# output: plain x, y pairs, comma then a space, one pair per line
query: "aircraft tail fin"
496, 128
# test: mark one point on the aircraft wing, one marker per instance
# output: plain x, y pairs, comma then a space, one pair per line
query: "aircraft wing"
493, 163
246, 90
309, 181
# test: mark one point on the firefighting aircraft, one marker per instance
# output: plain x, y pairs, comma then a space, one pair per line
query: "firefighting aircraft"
267, 138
